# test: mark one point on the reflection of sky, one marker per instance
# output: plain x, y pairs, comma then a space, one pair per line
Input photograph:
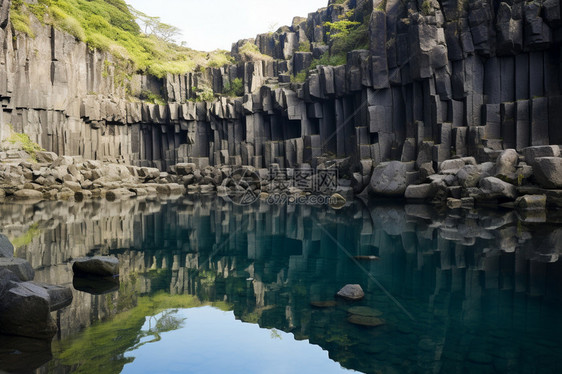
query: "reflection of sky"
213, 341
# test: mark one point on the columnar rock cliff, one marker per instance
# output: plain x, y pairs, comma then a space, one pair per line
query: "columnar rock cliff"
439, 79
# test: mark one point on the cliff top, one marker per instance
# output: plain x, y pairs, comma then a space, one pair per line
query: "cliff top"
116, 27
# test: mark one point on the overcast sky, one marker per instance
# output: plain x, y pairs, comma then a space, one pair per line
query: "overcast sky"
211, 24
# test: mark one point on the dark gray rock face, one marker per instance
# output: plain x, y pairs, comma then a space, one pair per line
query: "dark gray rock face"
25, 311
434, 81
6, 247
101, 266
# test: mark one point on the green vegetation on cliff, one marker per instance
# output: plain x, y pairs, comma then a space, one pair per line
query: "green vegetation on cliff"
113, 26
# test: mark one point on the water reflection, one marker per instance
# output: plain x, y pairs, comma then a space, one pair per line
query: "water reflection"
482, 287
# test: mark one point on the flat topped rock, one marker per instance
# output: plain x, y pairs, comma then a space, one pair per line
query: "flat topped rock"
20, 267
351, 292
364, 311
102, 266
28, 195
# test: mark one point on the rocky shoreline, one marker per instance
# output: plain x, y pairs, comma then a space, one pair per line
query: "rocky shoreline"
530, 180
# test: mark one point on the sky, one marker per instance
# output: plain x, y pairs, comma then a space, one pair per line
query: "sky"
216, 24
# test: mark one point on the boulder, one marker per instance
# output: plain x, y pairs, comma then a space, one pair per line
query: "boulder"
469, 176
59, 297
351, 292
102, 266
46, 157
453, 203
454, 164
20, 267
185, 168
6, 247
170, 189
391, 178
548, 171
28, 195
531, 202
506, 164
532, 153
420, 191
73, 186
8, 280
25, 311
495, 188
119, 193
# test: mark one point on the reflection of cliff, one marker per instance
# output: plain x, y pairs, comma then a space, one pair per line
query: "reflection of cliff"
458, 276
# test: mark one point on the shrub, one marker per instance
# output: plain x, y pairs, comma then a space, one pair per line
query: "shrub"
235, 88
304, 47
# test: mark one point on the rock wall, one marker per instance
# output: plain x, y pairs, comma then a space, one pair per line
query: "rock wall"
440, 79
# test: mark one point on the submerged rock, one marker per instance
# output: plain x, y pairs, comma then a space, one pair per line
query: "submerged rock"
351, 292
323, 304
364, 311
369, 321
102, 266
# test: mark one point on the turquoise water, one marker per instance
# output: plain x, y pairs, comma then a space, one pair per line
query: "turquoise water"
210, 287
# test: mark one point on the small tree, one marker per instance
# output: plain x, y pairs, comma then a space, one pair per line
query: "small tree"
155, 26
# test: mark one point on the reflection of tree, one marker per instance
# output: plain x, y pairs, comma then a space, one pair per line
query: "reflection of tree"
164, 322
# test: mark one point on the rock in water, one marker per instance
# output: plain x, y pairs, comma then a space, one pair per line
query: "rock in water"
494, 188
6, 247
21, 268
28, 195
364, 311
101, 266
323, 304
531, 202
351, 292
390, 179
357, 319
548, 171
59, 297
337, 201
25, 311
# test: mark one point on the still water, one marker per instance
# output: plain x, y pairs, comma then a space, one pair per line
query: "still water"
210, 287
